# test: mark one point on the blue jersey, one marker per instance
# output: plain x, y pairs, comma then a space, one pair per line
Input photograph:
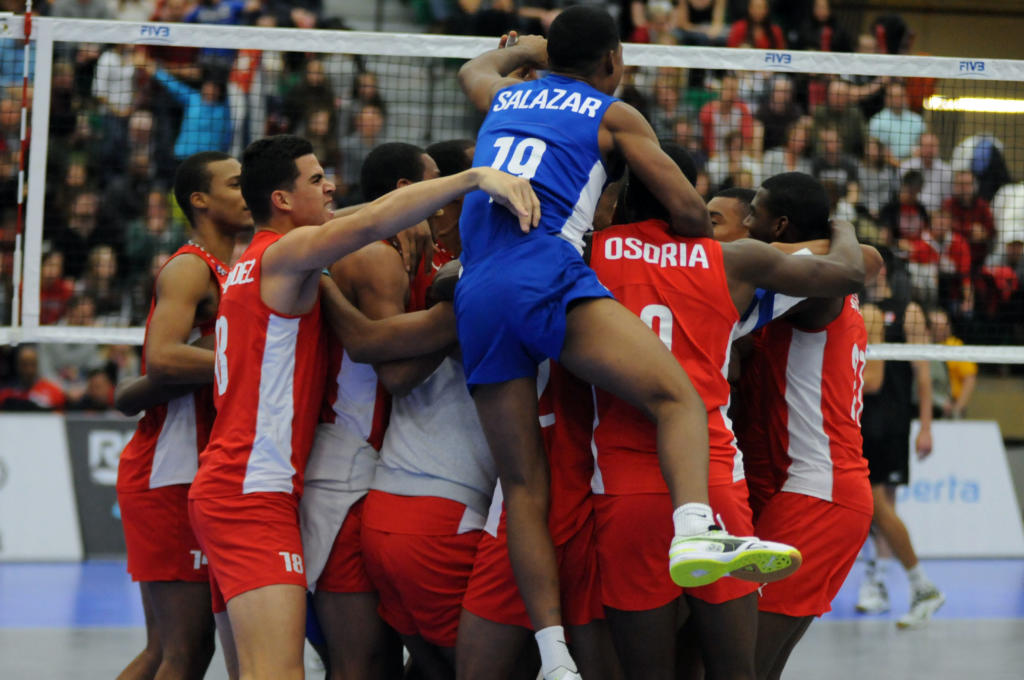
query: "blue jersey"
546, 131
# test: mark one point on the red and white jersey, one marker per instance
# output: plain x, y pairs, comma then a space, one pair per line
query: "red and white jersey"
808, 387
354, 396
420, 283
566, 413
165, 447
678, 287
269, 383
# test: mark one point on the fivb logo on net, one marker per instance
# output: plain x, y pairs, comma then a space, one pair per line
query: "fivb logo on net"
972, 66
155, 33
778, 58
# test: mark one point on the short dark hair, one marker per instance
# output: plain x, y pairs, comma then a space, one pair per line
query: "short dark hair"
640, 203
268, 165
194, 175
387, 164
744, 196
913, 179
579, 37
802, 199
450, 155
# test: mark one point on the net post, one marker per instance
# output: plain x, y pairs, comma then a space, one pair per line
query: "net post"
37, 177
22, 150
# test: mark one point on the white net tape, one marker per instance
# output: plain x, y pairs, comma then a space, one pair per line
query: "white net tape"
49, 34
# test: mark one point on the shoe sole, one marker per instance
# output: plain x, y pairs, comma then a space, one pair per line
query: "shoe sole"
933, 606
871, 610
759, 566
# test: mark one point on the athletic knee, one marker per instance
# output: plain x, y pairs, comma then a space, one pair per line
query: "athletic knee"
194, 644
669, 395
151, 657
186, 661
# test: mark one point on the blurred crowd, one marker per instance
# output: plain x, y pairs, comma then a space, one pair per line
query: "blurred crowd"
122, 116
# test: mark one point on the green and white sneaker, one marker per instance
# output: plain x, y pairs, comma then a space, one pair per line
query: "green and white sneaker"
702, 559
924, 603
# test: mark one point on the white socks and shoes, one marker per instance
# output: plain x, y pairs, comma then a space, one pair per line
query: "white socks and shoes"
555, 661
925, 600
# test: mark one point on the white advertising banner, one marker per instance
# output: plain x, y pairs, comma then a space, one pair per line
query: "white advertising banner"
961, 501
38, 516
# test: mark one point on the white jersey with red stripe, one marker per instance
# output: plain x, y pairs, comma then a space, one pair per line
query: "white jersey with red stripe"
678, 287
354, 397
165, 447
809, 391
434, 444
270, 370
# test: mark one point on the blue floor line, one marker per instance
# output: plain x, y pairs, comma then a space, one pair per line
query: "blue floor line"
99, 593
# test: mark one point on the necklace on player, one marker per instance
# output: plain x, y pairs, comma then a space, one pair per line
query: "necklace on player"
220, 266
196, 245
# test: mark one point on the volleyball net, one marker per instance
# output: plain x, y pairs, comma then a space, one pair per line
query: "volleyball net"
923, 154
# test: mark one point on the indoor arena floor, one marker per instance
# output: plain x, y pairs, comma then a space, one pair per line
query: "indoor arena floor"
85, 621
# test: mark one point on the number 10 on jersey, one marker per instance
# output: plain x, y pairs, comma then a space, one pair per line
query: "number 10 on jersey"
523, 157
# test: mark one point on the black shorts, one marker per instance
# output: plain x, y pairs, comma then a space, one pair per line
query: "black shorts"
888, 458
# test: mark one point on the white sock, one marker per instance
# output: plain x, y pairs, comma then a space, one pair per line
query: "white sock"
691, 519
554, 652
918, 579
871, 570
881, 566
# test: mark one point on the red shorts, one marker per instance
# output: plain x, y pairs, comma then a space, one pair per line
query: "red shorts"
251, 541
158, 536
633, 536
345, 570
829, 536
492, 593
418, 562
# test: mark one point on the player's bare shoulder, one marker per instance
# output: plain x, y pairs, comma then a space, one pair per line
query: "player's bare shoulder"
375, 267
373, 259
621, 118
187, 277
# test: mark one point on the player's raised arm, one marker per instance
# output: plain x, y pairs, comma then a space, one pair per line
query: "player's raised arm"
312, 248
482, 77
839, 272
634, 138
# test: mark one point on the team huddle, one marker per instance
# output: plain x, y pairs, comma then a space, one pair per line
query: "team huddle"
454, 452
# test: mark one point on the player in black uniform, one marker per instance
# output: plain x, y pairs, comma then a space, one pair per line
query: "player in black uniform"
888, 412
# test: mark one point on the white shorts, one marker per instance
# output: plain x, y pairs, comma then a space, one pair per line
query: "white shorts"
339, 473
